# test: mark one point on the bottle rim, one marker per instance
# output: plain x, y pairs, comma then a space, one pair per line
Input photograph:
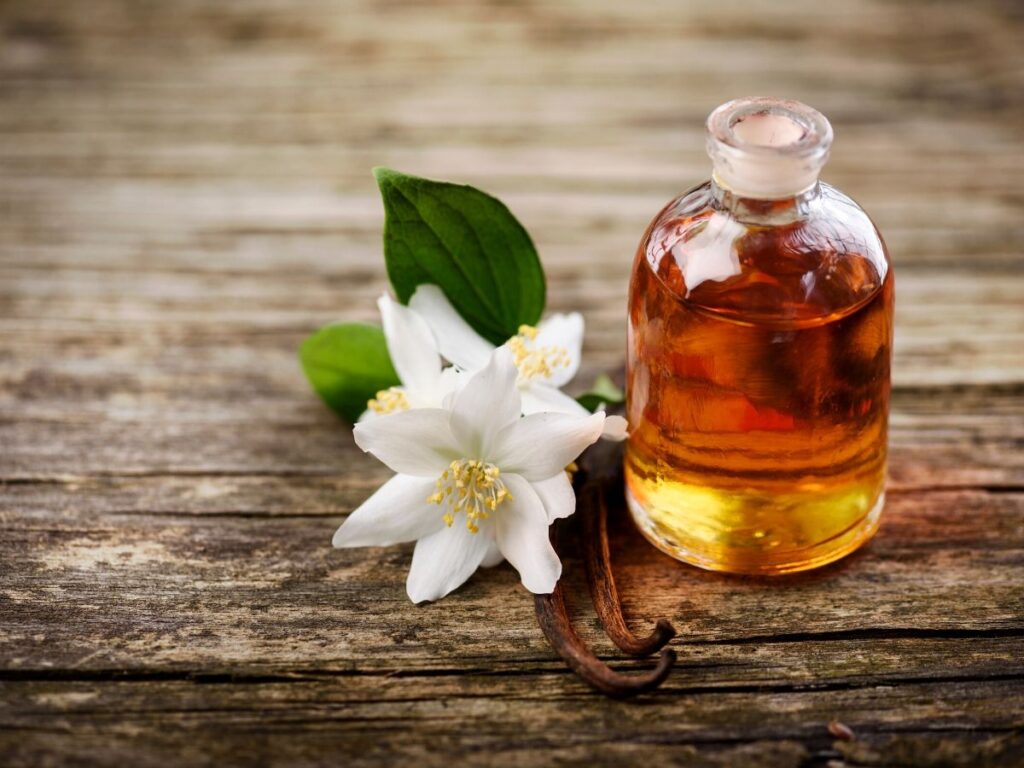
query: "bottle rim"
815, 130
767, 148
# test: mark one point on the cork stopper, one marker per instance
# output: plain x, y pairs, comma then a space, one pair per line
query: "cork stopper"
767, 149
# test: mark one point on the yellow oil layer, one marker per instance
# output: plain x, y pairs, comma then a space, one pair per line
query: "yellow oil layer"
754, 531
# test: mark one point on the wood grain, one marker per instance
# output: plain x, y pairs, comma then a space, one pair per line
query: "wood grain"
185, 194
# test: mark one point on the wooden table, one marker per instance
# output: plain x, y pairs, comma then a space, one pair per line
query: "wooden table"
185, 194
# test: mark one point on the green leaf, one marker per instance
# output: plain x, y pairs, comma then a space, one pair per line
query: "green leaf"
603, 390
347, 364
466, 242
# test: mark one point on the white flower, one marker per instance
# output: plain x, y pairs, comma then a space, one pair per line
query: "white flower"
547, 356
475, 483
416, 359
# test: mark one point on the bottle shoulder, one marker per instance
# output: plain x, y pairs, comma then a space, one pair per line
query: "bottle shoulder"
805, 260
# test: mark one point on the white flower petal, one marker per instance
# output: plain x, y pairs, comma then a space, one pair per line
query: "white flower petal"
493, 556
557, 495
543, 444
541, 398
417, 442
521, 525
487, 403
411, 345
396, 512
448, 383
444, 560
565, 332
616, 428
456, 339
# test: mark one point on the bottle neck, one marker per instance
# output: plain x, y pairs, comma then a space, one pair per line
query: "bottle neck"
755, 210
767, 149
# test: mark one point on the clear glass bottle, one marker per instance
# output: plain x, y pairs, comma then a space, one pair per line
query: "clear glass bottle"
759, 346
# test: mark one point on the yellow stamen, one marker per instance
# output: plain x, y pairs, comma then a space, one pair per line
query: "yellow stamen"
470, 486
533, 361
389, 401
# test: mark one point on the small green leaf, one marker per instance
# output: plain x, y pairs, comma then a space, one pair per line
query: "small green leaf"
603, 390
467, 243
347, 364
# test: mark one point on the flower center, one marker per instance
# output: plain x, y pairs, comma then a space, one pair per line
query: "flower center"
471, 486
389, 400
533, 360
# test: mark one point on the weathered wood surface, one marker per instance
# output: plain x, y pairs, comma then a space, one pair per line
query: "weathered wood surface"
184, 194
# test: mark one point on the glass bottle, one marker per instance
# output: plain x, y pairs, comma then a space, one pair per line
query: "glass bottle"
759, 345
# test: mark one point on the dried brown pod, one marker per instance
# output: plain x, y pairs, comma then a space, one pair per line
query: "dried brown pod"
599, 475
841, 731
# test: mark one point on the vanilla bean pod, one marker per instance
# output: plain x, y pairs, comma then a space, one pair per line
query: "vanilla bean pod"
601, 478
555, 624
597, 477
603, 593
557, 627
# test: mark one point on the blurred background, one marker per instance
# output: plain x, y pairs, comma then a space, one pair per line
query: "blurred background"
185, 187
